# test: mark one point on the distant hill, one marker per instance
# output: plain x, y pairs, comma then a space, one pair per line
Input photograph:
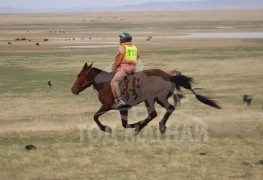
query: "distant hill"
156, 6
24, 10
197, 5
8, 10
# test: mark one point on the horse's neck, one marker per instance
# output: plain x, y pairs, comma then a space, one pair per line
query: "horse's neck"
101, 78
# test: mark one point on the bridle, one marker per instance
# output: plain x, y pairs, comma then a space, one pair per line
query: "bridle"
87, 82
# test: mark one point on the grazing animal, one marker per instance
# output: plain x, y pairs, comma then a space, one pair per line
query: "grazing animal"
45, 40
148, 86
177, 98
37, 44
50, 83
149, 38
247, 99
9, 43
30, 147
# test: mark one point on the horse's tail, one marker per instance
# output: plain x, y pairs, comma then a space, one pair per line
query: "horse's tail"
185, 82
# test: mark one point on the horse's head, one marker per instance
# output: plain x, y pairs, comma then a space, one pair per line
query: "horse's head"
84, 80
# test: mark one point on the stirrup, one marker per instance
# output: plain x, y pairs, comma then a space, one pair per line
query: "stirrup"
118, 104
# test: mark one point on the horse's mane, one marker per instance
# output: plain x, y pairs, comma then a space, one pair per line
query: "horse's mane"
98, 71
102, 76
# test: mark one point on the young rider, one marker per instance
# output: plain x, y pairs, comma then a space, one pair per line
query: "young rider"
125, 63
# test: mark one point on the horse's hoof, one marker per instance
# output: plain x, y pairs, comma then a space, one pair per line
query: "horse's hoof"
108, 129
135, 133
162, 129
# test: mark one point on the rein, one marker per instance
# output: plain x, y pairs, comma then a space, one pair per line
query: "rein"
87, 82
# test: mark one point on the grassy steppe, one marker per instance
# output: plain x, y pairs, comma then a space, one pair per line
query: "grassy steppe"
51, 118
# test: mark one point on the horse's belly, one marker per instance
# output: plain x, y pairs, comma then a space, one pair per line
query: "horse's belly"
139, 87
156, 87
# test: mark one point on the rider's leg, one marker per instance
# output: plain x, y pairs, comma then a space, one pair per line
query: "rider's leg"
118, 77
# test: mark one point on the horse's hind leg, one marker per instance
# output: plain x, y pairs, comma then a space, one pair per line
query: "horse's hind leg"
169, 110
151, 115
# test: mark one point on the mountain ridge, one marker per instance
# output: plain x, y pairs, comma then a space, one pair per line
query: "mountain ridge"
155, 6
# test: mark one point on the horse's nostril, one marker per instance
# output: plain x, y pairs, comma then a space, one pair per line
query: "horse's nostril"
74, 91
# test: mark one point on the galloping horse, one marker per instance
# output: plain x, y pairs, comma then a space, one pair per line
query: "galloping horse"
148, 86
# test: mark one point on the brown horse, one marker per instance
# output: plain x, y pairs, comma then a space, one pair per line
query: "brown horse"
148, 86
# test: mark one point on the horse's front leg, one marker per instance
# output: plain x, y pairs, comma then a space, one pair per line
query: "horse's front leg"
124, 119
103, 109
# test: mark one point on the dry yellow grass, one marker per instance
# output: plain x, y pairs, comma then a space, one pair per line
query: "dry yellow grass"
51, 119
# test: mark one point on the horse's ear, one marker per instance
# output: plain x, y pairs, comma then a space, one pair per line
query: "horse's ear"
85, 66
90, 65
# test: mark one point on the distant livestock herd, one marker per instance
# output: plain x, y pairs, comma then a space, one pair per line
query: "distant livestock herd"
60, 31
25, 39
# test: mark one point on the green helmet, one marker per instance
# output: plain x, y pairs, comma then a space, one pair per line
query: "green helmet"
125, 37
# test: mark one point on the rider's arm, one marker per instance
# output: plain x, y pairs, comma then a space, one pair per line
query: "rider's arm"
138, 55
118, 58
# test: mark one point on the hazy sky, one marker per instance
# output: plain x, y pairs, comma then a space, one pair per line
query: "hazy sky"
60, 4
